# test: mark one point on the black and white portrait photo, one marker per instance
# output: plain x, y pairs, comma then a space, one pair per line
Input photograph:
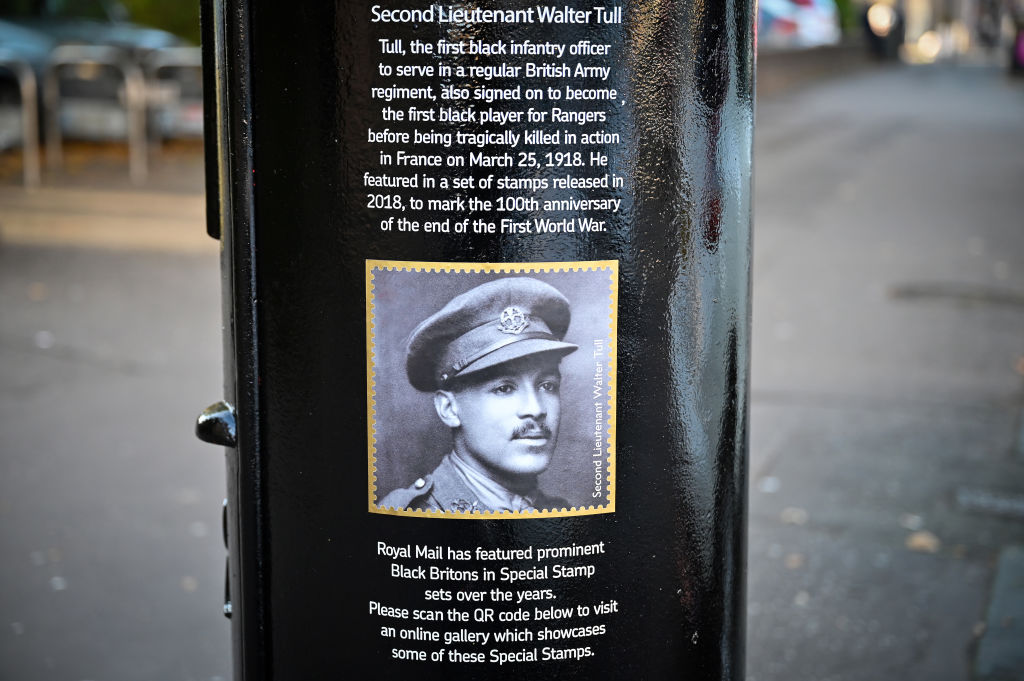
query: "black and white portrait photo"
491, 388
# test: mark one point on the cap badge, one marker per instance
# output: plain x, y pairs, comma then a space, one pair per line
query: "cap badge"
513, 320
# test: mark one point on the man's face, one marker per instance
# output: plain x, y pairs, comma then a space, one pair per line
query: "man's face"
508, 417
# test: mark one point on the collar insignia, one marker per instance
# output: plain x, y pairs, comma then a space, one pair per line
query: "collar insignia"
463, 505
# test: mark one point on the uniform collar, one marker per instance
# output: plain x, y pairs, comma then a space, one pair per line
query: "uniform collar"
489, 493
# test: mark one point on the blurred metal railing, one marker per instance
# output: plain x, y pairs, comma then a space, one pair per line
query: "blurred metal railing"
27, 88
134, 101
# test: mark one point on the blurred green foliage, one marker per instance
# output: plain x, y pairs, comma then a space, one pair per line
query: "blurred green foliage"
180, 17
849, 15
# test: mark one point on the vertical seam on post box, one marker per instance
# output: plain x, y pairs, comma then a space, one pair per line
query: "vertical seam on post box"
240, 246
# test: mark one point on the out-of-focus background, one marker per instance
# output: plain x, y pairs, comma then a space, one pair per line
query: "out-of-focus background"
887, 438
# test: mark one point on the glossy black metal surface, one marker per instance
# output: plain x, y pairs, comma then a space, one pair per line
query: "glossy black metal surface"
296, 235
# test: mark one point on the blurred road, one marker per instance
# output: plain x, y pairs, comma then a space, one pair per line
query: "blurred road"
887, 472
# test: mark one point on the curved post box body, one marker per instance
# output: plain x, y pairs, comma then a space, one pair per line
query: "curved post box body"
486, 293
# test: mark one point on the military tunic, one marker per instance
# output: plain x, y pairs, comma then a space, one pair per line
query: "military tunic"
445, 489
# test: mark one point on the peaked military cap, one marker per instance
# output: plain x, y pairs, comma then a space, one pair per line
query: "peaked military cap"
488, 325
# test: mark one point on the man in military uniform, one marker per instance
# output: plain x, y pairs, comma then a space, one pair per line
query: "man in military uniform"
491, 359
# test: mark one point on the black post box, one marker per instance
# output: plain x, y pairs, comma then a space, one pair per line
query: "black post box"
486, 303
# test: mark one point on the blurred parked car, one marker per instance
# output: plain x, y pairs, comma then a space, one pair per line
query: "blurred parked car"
797, 23
88, 22
31, 46
92, 81
174, 82
18, 45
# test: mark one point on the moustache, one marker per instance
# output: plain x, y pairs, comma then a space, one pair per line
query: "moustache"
531, 430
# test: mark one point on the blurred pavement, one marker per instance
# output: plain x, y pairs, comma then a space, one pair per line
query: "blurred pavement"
887, 471
111, 557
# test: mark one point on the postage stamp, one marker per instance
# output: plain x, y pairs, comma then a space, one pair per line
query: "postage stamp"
491, 388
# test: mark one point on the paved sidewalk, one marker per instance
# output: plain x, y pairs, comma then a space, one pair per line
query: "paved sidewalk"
111, 560
887, 475
90, 202
91, 218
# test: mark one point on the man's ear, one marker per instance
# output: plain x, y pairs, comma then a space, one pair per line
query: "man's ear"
447, 408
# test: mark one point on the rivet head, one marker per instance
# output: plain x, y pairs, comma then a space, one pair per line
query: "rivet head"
420, 483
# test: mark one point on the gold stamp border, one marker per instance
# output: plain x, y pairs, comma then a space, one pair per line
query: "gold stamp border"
511, 268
